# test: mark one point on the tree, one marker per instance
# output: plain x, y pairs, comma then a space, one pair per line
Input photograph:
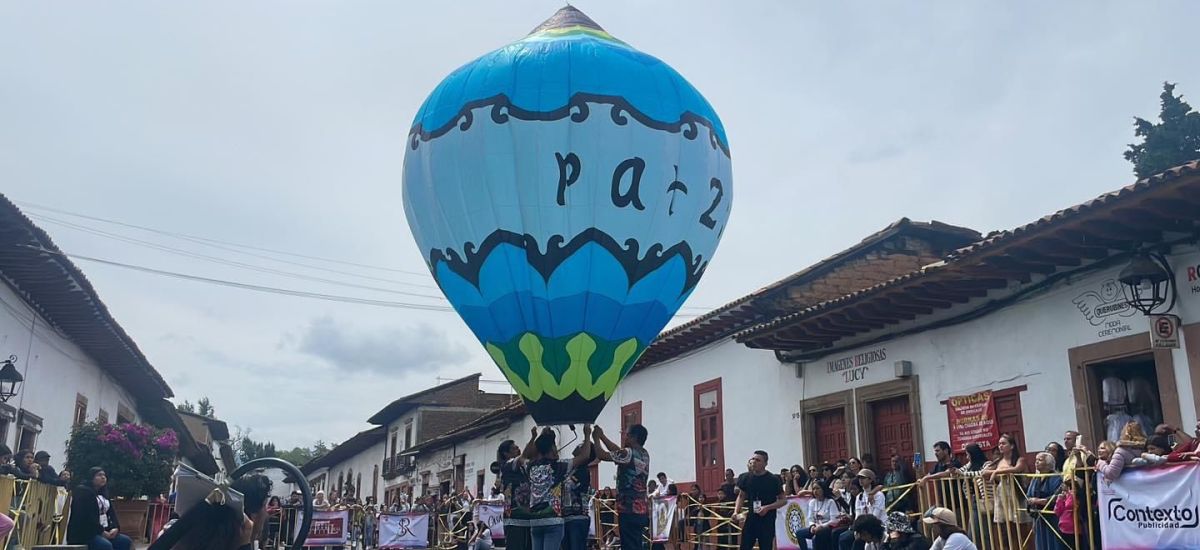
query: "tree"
302, 455
204, 408
1174, 140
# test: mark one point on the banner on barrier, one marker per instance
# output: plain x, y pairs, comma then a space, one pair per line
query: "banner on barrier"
399, 531
790, 518
662, 518
328, 528
492, 515
1152, 508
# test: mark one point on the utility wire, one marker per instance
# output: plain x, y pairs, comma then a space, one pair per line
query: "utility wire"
258, 288
229, 246
223, 261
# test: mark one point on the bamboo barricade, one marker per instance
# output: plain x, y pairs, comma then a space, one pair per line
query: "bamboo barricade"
994, 514
38, 511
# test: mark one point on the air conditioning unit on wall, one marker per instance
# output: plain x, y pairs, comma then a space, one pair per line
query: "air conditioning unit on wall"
904, 369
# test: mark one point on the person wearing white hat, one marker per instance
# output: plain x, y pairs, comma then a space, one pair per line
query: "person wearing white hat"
945, 527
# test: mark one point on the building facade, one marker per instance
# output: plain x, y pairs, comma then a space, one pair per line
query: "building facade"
78, 363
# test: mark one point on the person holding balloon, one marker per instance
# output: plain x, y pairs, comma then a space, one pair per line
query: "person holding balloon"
633, 470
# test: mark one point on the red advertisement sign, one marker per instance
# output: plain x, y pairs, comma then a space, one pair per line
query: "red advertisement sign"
973, 420
328, 528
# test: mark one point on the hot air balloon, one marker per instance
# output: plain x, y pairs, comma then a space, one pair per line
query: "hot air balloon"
567, 192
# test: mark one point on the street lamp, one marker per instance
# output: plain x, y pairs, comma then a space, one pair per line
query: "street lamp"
10, 378
1147, 282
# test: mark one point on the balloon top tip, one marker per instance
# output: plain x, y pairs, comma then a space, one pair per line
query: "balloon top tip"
566, 17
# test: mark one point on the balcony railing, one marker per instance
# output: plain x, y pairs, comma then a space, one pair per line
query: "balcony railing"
396, 466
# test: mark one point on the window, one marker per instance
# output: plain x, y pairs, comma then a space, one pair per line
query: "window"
630, 414
124, 415
709, 436
30, 425
102, 416
408, 434
394, 430
80, 410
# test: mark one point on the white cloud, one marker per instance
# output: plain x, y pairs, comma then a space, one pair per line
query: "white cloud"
418, 348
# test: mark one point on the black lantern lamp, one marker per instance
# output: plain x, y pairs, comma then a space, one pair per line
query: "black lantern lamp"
10, 378
1147, 283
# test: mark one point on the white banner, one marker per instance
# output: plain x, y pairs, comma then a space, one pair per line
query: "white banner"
399, 531
1152, 508
491, 514
328, 528
790, 518
663, 518
591, 508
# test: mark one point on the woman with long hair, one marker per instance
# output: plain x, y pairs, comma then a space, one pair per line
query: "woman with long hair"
1008, 507
93, 521
212, 524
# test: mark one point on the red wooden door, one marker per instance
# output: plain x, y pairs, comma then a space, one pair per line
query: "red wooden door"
893, 431
831, 435
630, 414
710, 436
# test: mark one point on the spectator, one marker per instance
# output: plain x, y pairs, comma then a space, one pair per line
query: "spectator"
945, 528
46, 473
93, 522
481, 539
29, 469
1064, 508
870, 501
727, 496
633, 467
7, 467
868, 532
797, 480
1105, 449
320, 503
1059, 454
982, 501
1186, 449
853, 465
900, 474
823, 517
1040, 497
763, 491
694, 516
663, 482
946, 464
212, 525
64, 478
1007, 509
901, 535
1130, 446
652, 488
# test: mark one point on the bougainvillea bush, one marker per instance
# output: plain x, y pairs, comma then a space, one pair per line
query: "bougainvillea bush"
138, 459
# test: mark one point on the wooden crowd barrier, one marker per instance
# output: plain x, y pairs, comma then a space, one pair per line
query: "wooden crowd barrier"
39, 512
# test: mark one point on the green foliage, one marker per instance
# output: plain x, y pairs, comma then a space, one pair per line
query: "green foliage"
249, 449
203, 407
1174, 140
138, 459
302, 455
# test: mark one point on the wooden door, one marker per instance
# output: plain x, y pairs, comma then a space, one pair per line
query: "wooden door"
893, 431
630, 414
710, 436
830, 427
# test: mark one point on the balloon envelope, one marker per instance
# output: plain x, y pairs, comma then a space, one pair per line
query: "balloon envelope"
567, 192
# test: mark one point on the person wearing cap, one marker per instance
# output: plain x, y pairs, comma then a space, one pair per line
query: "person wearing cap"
870, 502
46, 473
945, 527
901, 535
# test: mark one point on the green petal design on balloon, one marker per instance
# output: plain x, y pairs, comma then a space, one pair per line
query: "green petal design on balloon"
593, 369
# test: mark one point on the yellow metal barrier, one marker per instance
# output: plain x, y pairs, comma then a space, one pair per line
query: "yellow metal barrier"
994, 512
38, 511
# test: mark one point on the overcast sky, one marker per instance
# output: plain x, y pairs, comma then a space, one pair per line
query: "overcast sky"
281, 125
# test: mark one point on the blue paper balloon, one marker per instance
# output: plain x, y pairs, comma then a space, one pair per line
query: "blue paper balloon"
567, 192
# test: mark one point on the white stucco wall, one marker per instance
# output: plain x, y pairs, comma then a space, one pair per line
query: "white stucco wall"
1025, 343
55, 370
363, 463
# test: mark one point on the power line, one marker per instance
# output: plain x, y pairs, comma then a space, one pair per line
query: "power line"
223, 261
207, 240
231, 246
258, 288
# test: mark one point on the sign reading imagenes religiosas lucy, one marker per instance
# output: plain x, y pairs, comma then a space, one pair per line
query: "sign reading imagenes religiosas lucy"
567, 192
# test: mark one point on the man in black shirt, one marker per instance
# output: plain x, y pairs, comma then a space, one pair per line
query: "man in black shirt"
763, 492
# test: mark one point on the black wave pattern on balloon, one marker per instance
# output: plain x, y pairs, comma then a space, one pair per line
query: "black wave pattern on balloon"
577, 108
636, 265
